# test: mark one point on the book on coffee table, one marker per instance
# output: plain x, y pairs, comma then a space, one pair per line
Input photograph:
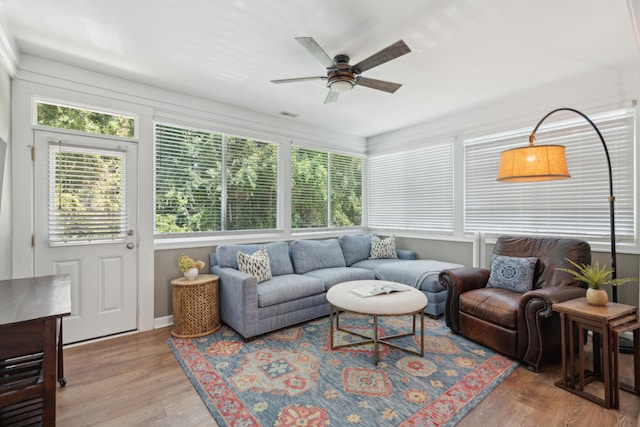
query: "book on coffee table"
371, 290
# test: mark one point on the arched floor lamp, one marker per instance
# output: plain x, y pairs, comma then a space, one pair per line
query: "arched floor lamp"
548, 163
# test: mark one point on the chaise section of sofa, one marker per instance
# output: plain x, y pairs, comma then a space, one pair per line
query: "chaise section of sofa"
406, 269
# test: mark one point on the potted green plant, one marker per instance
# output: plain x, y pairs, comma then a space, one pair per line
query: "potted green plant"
596, 278
189, 267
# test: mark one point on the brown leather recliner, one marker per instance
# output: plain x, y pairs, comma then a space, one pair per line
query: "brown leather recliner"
521, 326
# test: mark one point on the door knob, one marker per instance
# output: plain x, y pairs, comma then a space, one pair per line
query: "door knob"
131, 245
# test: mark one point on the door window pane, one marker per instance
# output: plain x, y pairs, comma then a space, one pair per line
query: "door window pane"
87, 200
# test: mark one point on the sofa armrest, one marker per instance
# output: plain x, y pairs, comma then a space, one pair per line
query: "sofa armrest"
406, 254
458, 281
238, 300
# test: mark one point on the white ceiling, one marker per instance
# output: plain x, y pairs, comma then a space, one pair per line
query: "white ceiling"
464, 52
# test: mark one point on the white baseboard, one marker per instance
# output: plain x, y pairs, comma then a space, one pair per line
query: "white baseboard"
161, 322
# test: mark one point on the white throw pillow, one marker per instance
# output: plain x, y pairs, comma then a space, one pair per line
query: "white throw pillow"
383, 248
256, 264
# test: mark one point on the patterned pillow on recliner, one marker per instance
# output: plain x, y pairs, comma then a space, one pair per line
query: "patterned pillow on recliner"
256, 264
512, 273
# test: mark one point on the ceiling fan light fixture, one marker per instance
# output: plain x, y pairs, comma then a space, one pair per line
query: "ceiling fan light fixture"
341, 86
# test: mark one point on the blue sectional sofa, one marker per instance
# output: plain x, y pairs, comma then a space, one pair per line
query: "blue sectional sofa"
302, 272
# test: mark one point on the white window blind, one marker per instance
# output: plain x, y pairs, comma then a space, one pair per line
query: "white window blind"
208, 181
412, 190
577, 206
251, 184
346, 190
87, 196
188, 174
326, 189
309, 190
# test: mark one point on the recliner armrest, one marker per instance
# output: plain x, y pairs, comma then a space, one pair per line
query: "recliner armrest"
458, 281
552, 295
536, 319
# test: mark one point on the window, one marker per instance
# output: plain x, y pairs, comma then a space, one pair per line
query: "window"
82, 119
412, 190
326, 189
87, 200
207, 181
577, 206
251, 185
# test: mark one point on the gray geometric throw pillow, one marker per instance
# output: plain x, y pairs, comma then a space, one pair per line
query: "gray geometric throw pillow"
383, 248
256, 264
512, 273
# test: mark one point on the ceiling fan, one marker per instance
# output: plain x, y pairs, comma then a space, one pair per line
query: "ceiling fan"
342, 77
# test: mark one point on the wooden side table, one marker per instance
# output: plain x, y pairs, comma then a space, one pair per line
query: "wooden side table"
576, 317
196, 310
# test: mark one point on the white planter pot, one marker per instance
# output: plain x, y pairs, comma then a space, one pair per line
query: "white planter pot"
191, 273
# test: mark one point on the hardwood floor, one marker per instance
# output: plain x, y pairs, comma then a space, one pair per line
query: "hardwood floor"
136, 381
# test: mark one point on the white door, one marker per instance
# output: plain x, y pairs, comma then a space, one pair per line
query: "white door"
85, 225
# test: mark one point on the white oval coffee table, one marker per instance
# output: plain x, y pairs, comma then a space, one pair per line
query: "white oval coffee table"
410, 301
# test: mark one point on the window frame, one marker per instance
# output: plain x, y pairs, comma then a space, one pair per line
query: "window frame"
199, 235
403, 222
329, 227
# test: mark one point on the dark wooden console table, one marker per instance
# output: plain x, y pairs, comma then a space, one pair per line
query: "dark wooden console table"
31, 312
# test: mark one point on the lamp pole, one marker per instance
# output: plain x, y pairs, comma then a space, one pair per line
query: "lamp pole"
611, 198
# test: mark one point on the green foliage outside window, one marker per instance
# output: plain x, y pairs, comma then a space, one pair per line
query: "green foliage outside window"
346, 191
309, 189
252, 185
190, 190
188, 180
62, 117
326, 189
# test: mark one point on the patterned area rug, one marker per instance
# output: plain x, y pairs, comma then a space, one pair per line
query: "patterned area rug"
293, 378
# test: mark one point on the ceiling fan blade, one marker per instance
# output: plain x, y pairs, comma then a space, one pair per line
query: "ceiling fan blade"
331, 97
299, 79
379, 84
314, 49
385, 55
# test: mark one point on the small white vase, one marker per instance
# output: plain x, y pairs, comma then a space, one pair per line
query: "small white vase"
597, 296
191, 273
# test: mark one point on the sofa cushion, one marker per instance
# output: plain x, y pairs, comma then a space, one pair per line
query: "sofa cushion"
383, 248
309, 255
421, 274
256, 264
355, 248
512, 273
335, 275
497, 306
372, 264
287, 287
278, 252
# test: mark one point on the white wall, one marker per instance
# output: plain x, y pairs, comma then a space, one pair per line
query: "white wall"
600, 90
5, 181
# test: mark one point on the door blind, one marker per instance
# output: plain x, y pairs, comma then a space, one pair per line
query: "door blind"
87, 195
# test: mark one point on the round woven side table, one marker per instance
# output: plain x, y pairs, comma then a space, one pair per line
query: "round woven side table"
195, 306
